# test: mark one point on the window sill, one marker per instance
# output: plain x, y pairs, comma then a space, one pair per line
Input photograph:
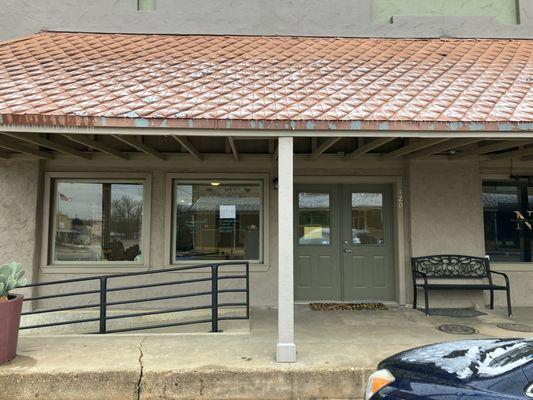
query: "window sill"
512, 267
254, 267
93, 269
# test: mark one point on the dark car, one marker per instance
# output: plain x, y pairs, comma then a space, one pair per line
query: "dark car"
487, 369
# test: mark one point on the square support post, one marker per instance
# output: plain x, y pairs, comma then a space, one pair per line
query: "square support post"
286, 349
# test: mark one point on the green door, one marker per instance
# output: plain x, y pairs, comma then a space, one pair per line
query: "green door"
344, 242
367, 243
317, 260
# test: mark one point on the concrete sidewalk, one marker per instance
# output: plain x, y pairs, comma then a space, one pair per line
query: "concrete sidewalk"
336, 353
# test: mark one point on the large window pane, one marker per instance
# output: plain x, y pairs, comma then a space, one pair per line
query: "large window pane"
367, 219
314, 219
98, 221
218, 220
502, 226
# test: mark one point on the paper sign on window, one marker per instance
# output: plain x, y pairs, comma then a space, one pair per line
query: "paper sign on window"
228, 212
312, 232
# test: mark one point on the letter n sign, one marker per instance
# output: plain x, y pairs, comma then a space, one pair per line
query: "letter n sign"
521, 219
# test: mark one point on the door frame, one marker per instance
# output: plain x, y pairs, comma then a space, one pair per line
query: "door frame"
398, 216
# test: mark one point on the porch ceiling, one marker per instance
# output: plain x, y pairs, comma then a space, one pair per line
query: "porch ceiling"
235, 149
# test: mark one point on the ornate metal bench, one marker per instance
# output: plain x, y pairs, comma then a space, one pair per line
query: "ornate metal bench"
428, 270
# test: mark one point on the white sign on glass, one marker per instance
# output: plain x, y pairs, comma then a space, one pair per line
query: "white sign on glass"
228, 212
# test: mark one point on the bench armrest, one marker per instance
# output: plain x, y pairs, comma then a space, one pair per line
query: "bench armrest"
502, 274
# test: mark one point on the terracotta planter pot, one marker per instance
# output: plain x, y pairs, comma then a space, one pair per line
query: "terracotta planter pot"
9, 327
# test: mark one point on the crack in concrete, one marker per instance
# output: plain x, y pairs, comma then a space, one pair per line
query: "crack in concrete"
138, 386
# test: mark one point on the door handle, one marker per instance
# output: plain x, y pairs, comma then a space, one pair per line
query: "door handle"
347, 250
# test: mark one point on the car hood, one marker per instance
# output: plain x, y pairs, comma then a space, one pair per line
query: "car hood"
463, 360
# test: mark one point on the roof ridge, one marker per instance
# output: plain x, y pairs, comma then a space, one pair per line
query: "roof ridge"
427, 39
22, 38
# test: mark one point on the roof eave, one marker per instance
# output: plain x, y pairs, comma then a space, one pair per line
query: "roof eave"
311, 127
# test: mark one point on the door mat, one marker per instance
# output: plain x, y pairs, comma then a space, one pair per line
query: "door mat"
455, 312
347, 306
515, 327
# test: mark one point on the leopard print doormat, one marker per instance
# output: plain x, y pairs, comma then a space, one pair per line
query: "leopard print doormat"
347, 306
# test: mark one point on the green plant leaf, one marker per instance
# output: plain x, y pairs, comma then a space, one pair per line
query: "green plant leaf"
11, 283
11, 276
5, 270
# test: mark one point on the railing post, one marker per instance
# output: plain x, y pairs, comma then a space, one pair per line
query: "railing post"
214, 298
103, 304
247, 290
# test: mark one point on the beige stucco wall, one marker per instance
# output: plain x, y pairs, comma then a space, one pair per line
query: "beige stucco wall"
19, 182
446, 208
446, 218
440, 204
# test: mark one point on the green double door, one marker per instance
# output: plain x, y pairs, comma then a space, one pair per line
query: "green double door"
344, 242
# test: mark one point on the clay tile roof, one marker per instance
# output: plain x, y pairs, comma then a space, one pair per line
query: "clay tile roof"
86, 79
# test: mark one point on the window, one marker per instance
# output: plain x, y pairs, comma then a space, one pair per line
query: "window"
218, 220
145, 5
313, 219
367, 219
508, 220
95, 222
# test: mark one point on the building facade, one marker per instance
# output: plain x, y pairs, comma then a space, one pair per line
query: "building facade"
326, 162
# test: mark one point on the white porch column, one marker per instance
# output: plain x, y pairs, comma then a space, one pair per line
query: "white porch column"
286, 350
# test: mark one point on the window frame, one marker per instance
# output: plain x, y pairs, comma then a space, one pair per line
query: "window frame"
49, 211
202, 178
526, 236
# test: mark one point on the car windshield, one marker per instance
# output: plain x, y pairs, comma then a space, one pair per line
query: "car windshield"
521, 354
482, 358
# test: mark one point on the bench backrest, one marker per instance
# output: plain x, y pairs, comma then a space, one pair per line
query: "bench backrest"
449, 266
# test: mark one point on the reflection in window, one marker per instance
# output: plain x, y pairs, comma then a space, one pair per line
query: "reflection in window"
313, 219
98, 221
218, 220
367, 219
502, 238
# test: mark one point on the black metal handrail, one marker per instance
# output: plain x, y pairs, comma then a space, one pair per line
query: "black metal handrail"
103, 304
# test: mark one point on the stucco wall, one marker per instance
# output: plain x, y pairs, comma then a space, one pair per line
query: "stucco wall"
503, 11
446, 208
446, 218
441, 209
273, 17
18, 213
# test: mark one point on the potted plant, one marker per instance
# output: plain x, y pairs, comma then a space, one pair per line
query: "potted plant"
11, 276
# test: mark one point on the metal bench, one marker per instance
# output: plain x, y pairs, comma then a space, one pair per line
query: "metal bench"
431, 269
